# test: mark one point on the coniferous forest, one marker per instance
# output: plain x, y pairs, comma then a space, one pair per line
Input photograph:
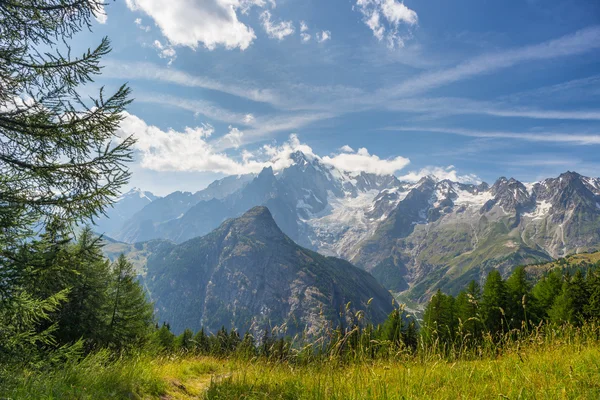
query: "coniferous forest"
76, 325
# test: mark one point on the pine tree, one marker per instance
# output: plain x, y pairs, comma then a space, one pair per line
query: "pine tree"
546, 291
519, 298
131, 316
592, 308
185, 341
164, 338
439, 319
202, 343
494, 303
60, 156
468, 304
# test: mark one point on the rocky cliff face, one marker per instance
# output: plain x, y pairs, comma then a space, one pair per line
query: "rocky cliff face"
443, 234
249, 275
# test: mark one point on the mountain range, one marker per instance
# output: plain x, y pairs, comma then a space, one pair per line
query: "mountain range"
413, 237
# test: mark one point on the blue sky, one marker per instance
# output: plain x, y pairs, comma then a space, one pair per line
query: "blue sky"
465, 89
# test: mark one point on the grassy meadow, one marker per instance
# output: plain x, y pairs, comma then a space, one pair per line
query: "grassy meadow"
548, 363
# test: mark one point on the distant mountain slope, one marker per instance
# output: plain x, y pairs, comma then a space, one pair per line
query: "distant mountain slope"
414, 237
582, 260
248, 274
145, 224
126, 205
443, 234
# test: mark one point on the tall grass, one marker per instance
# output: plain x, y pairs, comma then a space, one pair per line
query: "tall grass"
545, 361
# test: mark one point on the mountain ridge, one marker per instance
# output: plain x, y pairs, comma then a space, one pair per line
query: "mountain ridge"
413, 236
249, 275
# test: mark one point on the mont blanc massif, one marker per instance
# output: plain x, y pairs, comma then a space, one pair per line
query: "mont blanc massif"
296, 245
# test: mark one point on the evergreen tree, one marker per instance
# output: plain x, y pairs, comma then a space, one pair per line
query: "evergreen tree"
546, 291
468, 304
185, 341
131, 314
439, 319
247, 347
519, 298
60, 156
569, 305
202, 343
164, 338
494, 302
592, 308
393, 329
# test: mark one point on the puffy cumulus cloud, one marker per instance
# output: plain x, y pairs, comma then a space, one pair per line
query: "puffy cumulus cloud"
234, 137
441, 173
189, 150
363, 161
211, 23
384, 18
323, 36
195, 150
276, 30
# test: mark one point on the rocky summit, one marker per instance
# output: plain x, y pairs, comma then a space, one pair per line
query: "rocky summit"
249, 275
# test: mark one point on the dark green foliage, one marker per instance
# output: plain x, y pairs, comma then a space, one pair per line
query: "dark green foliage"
519, 299
513, 305
61, 163
439, 319
130, 313
546, 291
468, 304
494, 302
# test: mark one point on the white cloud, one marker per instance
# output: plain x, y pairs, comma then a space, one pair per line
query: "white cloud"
303, 26
182, 151
305, 37
323, 36
189, 23
249, 118
193, 151
346, 149
276, 30
165, 51
383, 16
234, 137
440, 173
100, 14
362, 161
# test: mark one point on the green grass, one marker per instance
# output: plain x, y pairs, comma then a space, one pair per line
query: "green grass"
546, 363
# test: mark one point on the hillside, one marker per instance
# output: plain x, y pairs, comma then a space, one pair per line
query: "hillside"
249, 275
582, 260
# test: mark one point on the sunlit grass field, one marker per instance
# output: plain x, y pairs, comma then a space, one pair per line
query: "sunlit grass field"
563, 364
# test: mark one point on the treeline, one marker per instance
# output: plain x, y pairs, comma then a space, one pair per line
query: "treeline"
71, 300
569, 294
356, 340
